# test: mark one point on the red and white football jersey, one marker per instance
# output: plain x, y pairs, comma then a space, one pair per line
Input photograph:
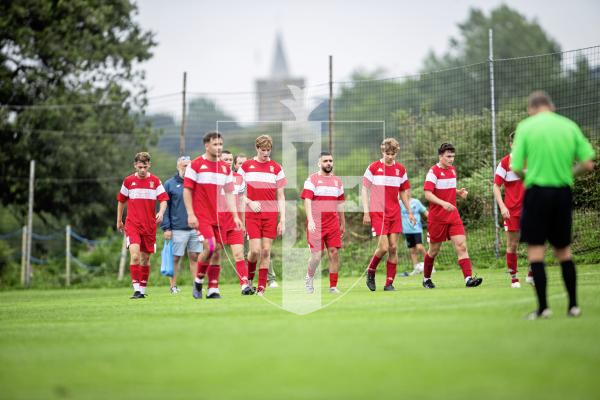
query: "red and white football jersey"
442, 183
239, 185
513, 186
208, 181
386, 182
141, 195
326, 193
262, 181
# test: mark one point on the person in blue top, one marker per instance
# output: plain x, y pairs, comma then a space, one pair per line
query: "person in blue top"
414, 233
175, 224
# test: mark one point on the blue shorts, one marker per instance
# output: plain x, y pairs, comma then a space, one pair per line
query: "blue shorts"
186, 239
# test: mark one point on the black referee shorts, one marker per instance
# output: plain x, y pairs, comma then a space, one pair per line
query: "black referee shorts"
413, 239
547, 216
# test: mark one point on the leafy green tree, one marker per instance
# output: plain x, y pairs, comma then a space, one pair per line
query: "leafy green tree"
71, 97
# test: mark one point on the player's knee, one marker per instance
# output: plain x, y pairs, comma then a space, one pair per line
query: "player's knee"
392, 249
193, 257
461, 248
136, 259
265, 254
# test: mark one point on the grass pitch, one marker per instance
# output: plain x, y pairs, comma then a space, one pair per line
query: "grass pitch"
447, 343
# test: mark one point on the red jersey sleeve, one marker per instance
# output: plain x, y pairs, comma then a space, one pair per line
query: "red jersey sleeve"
280, 179
405, 185
123, 194
430, 181
500, 175
309, 189
341, 197
190, 177
368, 177
161, 193
229, 185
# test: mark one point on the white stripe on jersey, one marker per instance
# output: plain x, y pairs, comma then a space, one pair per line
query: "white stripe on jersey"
328, 191
501, 172
145, 194
308, 185
190, 173
160, 190
124, 191
511, 176
369, 175
280, 176
264, 177
394, 181
446, 183
213, 178
431, 177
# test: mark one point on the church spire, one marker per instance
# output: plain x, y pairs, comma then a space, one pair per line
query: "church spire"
279, 68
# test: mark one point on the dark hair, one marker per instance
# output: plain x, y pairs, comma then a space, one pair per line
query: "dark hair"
325, 153
210, 136
539, 98
142, 157
511, 137
225, 152
238, 156
446, 147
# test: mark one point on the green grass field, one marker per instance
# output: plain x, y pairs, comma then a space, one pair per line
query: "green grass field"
449, 343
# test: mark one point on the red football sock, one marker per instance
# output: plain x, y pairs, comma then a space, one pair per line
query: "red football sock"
511, 263
134, 271
391, 272
144, 274
333, 278
213, 276
465, 265
242, 271
201, 269
251, 270
262, 278
427, 266
373, 265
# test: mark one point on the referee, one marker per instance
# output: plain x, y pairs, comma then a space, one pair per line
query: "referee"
545, 151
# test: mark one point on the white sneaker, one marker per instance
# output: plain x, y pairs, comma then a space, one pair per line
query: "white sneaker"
175, 290
335, 290
529, 279
574, 312
547, 313
273, 284
515, 285
308, 284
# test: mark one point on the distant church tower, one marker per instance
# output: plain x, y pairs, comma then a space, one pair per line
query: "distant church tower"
271, 90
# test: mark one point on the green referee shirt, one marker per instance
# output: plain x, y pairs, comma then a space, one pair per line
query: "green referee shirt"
547, 146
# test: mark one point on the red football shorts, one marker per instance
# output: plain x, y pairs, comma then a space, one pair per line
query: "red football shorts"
233, 236
440, 232
328, 237
512, 224
147, 243
265, 227
210, 231
381, 225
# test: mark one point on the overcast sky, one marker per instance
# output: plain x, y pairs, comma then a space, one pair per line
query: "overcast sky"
225, 45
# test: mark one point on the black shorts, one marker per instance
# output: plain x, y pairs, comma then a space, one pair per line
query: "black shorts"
412, 239
547, 215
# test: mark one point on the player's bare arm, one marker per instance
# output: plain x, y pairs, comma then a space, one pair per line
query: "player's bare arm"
432, 198
187, 201
311, 222
498, 196
583, 167
230, 199
281, 206
406, 202
161, 212
255, 206
342, 217
120, 207
365, 200
462, 193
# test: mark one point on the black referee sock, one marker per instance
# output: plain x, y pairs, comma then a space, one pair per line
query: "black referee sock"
570, 277
539, 278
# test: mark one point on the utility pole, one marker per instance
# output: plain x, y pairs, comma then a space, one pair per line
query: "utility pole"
183, 107
29, 224
330, 117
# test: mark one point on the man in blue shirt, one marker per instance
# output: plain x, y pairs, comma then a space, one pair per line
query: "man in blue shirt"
175, 225
414, 233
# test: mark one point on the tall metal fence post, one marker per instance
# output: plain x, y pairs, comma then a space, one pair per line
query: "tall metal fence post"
494, 161
330, 117
68, 256
122, 259
28, 270
23, 255
183, 107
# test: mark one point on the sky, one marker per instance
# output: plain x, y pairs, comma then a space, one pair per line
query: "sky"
225, 45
